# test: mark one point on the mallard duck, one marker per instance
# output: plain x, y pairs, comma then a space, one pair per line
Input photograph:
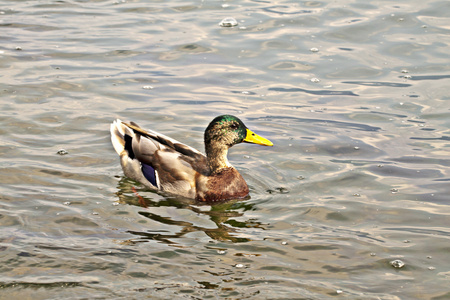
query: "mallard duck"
162, 163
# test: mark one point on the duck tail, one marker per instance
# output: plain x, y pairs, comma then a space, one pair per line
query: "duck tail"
118, 136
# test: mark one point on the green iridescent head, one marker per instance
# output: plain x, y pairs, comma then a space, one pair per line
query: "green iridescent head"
222, 133
230, 130
226, 129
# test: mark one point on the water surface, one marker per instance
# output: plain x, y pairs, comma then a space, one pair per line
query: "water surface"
354, 95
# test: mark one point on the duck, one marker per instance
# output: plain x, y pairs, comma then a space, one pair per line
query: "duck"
164, 164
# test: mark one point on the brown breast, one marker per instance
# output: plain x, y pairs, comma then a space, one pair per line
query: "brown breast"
226, 184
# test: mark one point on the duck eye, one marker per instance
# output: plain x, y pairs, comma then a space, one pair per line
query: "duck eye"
234, 126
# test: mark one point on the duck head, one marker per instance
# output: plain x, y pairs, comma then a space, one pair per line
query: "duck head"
224, 132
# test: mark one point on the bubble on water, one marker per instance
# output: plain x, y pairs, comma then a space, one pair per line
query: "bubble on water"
431, 268
115, 203
62, 152
357, 195
300, 177
356, 148
95, 213
147, 87
279, 190
221, 251
407, 76
282, 190
373, 254
394, 190
18, 48
315, 80
380, 166
405, 71
339, 291
424, 26
240, 266
228, 22
406, 241
67, 203
246, 156
429, 257
225, 5
397, 264
284, 243
314, 49
246, 92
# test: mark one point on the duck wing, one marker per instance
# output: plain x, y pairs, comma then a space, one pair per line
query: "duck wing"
156, 160
166, 141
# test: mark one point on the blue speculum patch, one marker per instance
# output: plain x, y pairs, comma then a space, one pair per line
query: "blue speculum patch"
149, 173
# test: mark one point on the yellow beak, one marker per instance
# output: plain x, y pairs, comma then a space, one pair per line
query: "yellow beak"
256, 139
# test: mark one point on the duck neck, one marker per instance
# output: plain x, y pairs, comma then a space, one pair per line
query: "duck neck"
216, 156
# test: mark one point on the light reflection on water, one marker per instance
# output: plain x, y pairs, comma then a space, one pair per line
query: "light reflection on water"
353, 95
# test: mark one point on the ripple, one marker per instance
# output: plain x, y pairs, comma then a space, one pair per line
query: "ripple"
375, 83
314, 92
286, 10
290, 65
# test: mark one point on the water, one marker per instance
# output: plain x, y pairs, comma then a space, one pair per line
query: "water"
354, 95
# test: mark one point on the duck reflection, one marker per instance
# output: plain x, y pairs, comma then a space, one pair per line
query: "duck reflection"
222, 214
